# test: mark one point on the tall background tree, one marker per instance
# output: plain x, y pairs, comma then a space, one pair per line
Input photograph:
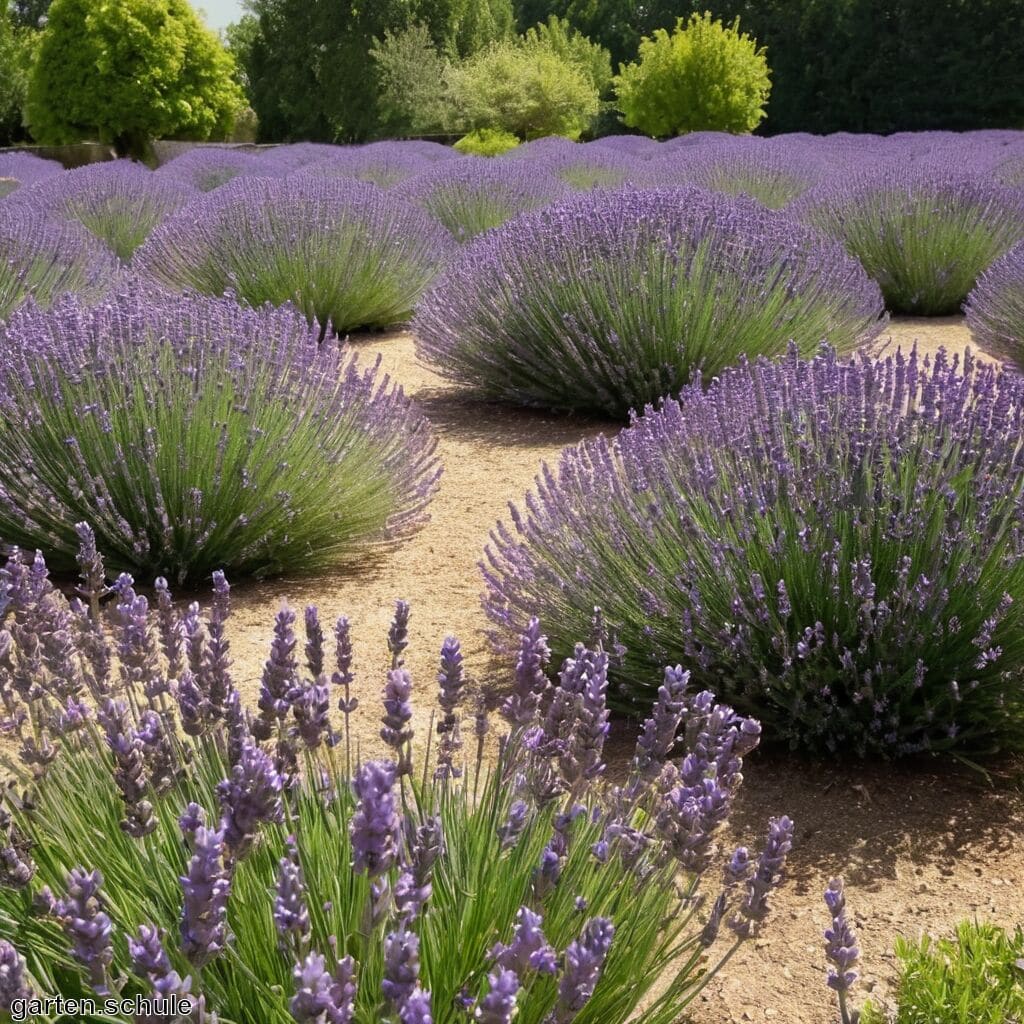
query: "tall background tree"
129, 71
307, 64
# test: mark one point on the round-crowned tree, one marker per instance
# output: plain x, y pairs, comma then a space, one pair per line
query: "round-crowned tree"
128, 71
836, 544
705, 76
603, 303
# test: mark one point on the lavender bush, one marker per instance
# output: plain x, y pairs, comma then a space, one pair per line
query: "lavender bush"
773, 173
344, 252
119, 202
473, 194
834, 545
167, 849
206, 168
194, 433
605, 303
41, 259
995, 308
924, 236
384, 164
17, 169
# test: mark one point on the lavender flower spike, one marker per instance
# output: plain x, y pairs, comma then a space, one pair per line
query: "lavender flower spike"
531, 682
450, 682
280, 677
147, 952
374, 826
290, 914
417, 1009
13, 984
323, 997
251, 796
398, 634
529, 949
84, 922
581, 971
397, 714
401, 966
768, 874
841, 948
658, 737
206, 888
499, 1005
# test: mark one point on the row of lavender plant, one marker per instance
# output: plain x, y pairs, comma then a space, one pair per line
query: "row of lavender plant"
161, 839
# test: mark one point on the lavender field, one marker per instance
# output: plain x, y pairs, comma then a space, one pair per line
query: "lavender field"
707, 451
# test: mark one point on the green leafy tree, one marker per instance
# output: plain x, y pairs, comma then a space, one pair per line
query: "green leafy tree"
29, 13
308, 68
559, 37
412, 97
705, 76
128, 71
461, 28
17, 48
524, 89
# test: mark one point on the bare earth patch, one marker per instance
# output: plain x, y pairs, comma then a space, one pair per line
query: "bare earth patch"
919, 846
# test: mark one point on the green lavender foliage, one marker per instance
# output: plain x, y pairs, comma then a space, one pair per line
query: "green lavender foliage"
976, 977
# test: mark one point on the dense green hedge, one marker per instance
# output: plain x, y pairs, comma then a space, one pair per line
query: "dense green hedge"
849, 65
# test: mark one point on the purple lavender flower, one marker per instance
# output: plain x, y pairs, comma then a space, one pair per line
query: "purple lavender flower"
314, 642
397, 714
512, 829
531, 682
423, 846
323, 996
529, 949
88, 927
766, 877
13, 983
450, 687
280, 677
312, 710
291, 917
583, 962
206, 888
251, 796
374, 826
147, 952
401, 966
417, 1009
215, 667
841, 948
343, 677
995, 308
129, 767
499, 1005
398, 634
657, 738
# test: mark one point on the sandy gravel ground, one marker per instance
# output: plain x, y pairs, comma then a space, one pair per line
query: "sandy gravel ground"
920, 847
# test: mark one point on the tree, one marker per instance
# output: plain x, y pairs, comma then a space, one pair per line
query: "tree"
17, 48
128, 71
412, 96
527, 90
557, 36
29, 13
705, 76
461, 28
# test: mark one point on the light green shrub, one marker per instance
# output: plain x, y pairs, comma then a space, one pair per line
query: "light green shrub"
486, 142
705, 76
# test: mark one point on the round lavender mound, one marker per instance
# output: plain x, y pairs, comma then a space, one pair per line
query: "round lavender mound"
923, 235
119, 202
196, 434
837, 545
603, 303
473, 194
41, 258
995, 309
344, 252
